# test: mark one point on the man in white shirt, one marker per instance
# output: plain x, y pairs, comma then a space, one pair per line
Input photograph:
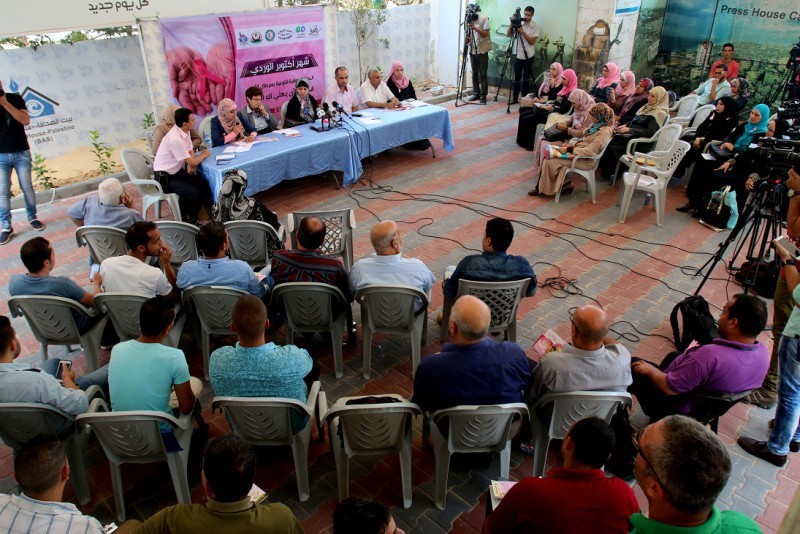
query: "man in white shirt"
131, 274
713, 88
342, 92
375, 92
176, 159
523, 63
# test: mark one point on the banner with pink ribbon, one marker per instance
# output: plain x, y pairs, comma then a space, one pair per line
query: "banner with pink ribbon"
211, 57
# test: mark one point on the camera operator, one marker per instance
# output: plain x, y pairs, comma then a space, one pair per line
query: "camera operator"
15, 154
479, 46
526, 36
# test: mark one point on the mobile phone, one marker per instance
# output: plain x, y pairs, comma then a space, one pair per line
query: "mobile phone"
786, 243
60, 372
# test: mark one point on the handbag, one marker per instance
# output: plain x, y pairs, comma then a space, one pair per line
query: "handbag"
554, 134
718, 153
721, 211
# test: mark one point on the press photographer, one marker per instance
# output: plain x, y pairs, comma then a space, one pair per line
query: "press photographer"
525, 32
477, 35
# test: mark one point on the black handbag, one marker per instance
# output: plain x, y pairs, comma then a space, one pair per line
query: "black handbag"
716, 212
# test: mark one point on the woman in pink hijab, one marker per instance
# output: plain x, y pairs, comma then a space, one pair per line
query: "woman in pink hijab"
617, 97
606, 83
230, 125
531, 117
401, 87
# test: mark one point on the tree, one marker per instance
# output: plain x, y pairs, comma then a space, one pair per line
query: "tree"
35, 41
366, 17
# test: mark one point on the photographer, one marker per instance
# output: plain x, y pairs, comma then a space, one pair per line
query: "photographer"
479, 46
527, 32
15, 154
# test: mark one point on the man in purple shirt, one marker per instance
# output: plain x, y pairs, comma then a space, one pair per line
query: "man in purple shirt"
730, 364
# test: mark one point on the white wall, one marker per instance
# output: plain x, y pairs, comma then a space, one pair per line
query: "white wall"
445, 20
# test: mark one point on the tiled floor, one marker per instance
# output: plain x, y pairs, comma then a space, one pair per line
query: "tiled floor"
636, 270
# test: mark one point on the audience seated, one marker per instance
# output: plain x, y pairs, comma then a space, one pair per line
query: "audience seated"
256, 113
145, 374
229, 467
216, 269
359, 516
734, 362
41, 470
626, 88
41, 385
716, 86
553, 97
230, 125
302, 107
719, 124
593, 361
740, 92
376, 93
111, 207
682, 467
634, 102
388, 266
571, 498
131, 273
255, 368
401, 87
342, 92
166, 124
494, 264
471, 368
608, 82
39, 259
731, 64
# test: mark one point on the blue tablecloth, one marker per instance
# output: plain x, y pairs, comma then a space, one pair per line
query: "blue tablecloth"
340, 149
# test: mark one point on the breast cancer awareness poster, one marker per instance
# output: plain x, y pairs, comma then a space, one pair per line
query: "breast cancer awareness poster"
211, 57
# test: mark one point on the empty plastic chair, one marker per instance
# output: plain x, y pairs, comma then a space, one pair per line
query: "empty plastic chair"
663, 140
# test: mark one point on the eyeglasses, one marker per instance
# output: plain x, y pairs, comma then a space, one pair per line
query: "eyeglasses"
635, 439
719, 73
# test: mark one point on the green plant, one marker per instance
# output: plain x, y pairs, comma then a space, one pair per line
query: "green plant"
366, 19
102, 153
44, 175
148, 121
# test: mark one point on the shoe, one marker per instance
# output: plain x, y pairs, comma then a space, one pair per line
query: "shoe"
483, 100
567, 189
763, 398
686, 208
515, 101
696, 215
794, 446
5, 236
534, 192
473, 98
759, 449
38, 225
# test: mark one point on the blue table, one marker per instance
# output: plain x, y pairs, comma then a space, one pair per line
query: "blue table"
340, 149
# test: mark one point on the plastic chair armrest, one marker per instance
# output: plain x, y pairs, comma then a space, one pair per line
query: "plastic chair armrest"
95, 392
98, 405
313, 395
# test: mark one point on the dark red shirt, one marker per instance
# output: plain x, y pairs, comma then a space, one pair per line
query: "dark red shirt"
309, 266
566, 501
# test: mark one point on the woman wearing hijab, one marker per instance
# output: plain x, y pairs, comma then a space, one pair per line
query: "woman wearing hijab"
740, 91
635, 101
600, 122
401, 87
302, 107
553, 97
645, 123
230, 125
719, 124
166, 124
618, 96
731, 167
609, 81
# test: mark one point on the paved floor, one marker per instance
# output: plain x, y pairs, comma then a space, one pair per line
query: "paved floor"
636, 270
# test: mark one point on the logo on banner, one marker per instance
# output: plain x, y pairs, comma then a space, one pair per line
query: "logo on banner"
285, 34
314, 31
269, 35
38, 104
243, 38
255, 37
280, 64
300, 31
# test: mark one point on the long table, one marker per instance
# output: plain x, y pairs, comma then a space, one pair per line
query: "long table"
340, 149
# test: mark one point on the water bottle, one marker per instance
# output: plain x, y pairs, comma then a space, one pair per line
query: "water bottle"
207, 140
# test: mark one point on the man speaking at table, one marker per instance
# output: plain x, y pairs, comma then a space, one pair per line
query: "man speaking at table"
376, 93
342, 92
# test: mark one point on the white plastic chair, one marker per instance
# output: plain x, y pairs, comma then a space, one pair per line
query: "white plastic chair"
248, 241
103, 242
369, 430
694, 119
283, 113
205, 129
651, 179
360, 99
148, 138
391, 309
663, 140
339, 232
567, 409
685, 106
134, 437
587, 174
52, 323
471, 429
139, 167
266, 421
309, 307
503, 299
181, 238
123, 311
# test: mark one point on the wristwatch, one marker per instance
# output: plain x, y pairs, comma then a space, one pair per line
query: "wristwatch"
784, 263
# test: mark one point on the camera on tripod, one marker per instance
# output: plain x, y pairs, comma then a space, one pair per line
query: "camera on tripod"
471, 13
775, 157
516, 19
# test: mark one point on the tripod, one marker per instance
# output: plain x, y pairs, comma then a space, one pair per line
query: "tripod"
469, 35
511, 52
787, 87
762, 219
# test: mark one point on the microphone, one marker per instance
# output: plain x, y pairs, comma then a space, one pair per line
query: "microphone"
339, 108
326, 109
320, 113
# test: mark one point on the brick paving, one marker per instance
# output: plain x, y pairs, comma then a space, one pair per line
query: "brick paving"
637, 270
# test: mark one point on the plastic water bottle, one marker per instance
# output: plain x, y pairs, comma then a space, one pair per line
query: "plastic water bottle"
207, 140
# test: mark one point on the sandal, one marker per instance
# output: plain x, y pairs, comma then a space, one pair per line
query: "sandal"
567, 189
534, 192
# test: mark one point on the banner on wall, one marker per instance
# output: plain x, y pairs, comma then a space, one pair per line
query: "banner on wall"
212, 57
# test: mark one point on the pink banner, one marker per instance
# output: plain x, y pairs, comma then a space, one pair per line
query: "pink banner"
211, 57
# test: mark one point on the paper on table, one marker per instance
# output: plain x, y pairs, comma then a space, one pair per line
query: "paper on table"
369, 120
237, 148
416, 103
265, 140
289, 132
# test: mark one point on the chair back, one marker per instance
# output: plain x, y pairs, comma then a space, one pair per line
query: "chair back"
480, 428
248, 241
103, 242
390, 308
205, 129
129, 436
123, 310
709, 406
22, 421
339, 226
139, 167
701, 114
667, 135
368, 429
148, 137
213, 306
568, 408
50, 318
686, 105
261, 421
670, 161
309, 306
283, 113
503, 299
181, 238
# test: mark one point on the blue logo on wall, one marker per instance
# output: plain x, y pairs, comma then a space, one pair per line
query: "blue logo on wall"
38, 104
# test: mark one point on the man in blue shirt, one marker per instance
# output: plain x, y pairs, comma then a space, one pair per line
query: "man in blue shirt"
255, 368
216, 269
494, 265
111, 207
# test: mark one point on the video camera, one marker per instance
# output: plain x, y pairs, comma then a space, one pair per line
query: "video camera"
471, 13
788, 115
516, 19
775, 157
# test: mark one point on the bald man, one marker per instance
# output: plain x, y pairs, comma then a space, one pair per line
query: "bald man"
388, 266
471, 369
593, 361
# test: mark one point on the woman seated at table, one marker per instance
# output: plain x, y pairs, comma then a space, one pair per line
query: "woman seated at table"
230, 125
645, 123
731, 164
554, 170
302, 107
634, 102
618, 96
609, 81
401, 87
553, 97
